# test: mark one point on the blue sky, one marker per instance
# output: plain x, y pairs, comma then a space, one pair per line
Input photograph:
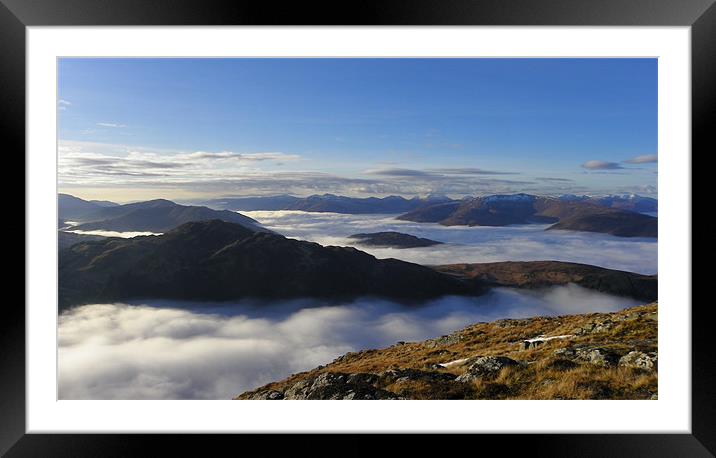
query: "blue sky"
192, 128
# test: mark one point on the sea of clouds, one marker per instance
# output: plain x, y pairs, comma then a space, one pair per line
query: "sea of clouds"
169, 350
468, 244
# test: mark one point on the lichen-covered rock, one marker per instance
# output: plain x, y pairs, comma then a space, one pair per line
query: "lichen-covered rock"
330, 385
593, 355
639, 360
269, 395
410, 375
442, 340
485, 367
595, 327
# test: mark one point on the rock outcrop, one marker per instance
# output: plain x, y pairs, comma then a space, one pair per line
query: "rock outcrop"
485, 367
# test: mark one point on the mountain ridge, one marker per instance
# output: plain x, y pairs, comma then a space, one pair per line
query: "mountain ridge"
219, 261
326, 203
542, 274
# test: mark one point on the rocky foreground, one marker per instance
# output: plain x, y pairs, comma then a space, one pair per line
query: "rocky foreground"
591, 356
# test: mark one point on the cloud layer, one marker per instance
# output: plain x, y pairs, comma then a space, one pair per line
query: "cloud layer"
468, 244
644, 159
124, 235
196, 351
87, 165
601, 165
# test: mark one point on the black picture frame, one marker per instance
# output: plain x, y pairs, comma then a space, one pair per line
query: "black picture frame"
16, 15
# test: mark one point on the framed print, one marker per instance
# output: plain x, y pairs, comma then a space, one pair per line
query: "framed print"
410, 219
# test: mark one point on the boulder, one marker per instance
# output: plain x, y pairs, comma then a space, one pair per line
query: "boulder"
595, 327
270, 395
485, 367
592, 355
329, 385
638, 360
443, 340
409, 375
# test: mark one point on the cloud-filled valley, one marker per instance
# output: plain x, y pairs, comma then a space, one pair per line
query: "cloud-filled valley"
165, 350
468, 244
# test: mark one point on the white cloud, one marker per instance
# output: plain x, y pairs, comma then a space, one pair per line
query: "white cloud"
200, 351
91, 164
111, 124
248, 157
253, 173
124, 235
601, 165
644, 159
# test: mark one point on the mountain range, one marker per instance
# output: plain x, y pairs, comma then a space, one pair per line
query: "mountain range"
73, 208
327, 203
503, 210
397, 204
631, 202
578, 213
218, 261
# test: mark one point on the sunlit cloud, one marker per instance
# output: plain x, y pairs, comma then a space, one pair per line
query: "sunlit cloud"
260, 173
111, 124
125, 235
644, 159
601, 165
554, 179
249, 157
398, 172
470, 171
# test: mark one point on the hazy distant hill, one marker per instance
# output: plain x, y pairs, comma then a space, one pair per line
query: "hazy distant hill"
620, 223
281, 202
159, 215
631, 202
216, 260
73, 208
327, 203
502, 210
67, 239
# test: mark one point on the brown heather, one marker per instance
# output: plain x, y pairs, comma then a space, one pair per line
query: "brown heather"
546, 373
